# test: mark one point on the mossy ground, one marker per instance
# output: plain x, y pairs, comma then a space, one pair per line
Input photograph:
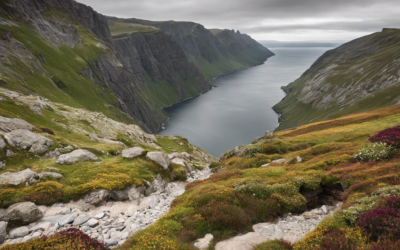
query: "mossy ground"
241, 193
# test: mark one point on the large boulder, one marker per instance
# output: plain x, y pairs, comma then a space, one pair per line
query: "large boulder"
17, 178
130, 153
76, 156
3, 231
160, 158
25, 212
98, 197
10, 124
25, 139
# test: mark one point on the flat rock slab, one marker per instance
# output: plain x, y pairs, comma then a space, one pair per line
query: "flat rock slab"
19, 232
25, 139
62, 220
92, 223
111, 242
160, 158
183, 163
10, 124
244, 242
56, 176
182, 155
132, 152
26, 212
76, 156
17, 178
80, 220
41, 226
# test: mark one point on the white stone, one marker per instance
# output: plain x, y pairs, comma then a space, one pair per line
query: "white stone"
99, 216
324, 209
244, 242
204, 243
111, 242
298, 159
92, 223
41, 226
132, 152
279, 161
76, 156
57, 211
2, 144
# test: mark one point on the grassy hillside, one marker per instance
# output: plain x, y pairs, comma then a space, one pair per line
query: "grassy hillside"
36, 68
358, 76
241, 193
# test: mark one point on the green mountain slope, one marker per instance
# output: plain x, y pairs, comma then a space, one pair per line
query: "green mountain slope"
361, 75
214, 53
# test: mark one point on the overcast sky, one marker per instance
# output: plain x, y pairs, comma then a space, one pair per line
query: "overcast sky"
282, 20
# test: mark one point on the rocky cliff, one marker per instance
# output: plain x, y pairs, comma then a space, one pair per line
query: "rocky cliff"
214, 52
361, 75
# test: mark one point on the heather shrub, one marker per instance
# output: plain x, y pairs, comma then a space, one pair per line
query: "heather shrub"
385, 244
70, 239
339, 238
375, 152
390, 136
382, 222
225, 216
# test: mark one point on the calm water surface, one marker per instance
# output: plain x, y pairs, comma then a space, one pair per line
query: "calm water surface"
240, 109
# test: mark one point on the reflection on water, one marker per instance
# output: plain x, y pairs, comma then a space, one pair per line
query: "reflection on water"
239, 109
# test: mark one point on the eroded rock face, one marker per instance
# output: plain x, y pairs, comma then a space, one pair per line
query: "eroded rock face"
160, 158
182, 155
98, 197
25, 212
3, 231
76, 156
9, 124
25, 139
17, 178
132, 152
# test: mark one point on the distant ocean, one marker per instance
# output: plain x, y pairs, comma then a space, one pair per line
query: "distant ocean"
240, 109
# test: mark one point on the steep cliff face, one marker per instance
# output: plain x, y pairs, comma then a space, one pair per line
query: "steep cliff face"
214, 54
160, 67
361, 75
66, 54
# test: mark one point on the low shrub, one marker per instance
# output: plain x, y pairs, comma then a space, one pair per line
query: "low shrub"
390, 136
275, 245
375, 152
385, 245
70, 239
382, 222
339, 238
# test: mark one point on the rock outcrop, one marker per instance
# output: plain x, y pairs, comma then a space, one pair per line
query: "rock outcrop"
17, 178
10, 124
160, 158
3, 231
76, 156
26, 139
130, 153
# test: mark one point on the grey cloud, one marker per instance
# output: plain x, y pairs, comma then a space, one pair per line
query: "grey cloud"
252, 16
